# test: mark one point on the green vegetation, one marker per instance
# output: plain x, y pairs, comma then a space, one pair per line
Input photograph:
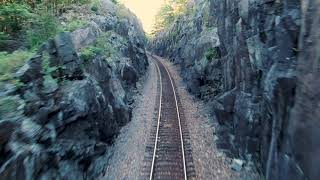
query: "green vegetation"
43, 27
166, 16
89, 52
8, 105
4, 37
50, 84
211, 53
206, 17
14, 16
115, 1
122, 12
94, 8
75, 24
95, 4
29, 24
37, 22
104, 46
34, 22
10, 63
46, 68
168, 13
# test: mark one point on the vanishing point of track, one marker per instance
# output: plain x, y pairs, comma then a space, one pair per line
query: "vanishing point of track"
168, 154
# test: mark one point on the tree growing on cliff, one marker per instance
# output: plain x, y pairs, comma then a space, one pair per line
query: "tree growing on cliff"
168, 13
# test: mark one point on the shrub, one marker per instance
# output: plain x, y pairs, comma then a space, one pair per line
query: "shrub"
10, 63
95, 4
211, 53
90, 52
94, 8
105, 46
13, 17
44, 26
75, 24
46, 68
165, 16
104, 42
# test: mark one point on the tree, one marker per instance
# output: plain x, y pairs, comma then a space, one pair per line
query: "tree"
13, 17
168, 13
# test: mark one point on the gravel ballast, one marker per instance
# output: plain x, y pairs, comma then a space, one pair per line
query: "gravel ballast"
209, 161
128, 151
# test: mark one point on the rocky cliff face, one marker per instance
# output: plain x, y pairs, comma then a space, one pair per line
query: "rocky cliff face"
255, 63
60, 120
192, 42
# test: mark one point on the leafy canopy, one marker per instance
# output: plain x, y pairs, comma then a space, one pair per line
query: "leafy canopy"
13, 17
168, 13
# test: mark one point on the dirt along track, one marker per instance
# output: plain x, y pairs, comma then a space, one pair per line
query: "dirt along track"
168, 153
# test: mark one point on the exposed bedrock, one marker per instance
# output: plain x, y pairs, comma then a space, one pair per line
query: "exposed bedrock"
68, 110
256, 64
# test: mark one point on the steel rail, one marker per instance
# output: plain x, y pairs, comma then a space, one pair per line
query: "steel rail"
158, 124
159, 117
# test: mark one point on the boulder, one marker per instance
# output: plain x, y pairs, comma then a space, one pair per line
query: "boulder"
31, 70
129, 74
79, 100
85, 36
237, 164
64, 57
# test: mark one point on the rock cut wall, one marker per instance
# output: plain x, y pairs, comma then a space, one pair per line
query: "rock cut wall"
68, 110
257, 75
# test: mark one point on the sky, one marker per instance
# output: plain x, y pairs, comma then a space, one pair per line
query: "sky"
145, 10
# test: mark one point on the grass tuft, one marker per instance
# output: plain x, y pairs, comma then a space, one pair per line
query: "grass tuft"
10, 63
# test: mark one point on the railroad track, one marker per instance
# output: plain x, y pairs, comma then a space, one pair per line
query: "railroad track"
168, 153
